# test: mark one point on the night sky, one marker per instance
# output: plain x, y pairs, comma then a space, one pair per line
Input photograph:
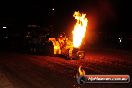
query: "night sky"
103, 15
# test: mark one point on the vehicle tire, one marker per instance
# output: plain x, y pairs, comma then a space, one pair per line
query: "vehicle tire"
50, 49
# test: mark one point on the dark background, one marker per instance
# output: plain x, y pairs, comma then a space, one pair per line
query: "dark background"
108, 20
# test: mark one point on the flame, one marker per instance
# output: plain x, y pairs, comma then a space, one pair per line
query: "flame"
56, 47
81, 71
79, 28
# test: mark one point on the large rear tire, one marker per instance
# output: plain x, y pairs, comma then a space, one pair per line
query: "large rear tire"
50, 49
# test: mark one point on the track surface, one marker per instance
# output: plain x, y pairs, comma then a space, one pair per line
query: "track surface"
33, 71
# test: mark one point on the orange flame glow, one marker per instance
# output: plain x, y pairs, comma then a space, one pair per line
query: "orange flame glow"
81, 71
79, 28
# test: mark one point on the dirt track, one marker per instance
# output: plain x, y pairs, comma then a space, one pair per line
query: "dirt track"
30, 71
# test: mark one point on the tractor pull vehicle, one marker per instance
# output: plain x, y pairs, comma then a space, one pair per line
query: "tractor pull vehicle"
72, 49
64, 47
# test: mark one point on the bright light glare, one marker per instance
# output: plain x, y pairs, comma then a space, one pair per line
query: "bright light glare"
120, 40
53, 9
4, 27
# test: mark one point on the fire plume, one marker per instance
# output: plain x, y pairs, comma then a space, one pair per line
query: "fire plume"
79, 28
